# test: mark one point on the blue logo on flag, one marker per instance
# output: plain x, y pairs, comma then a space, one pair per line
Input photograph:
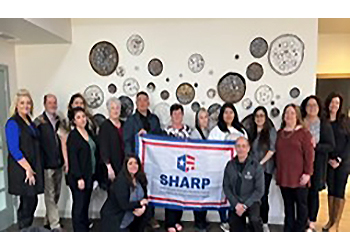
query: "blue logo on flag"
186, 163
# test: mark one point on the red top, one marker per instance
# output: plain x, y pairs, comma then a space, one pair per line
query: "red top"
294, 157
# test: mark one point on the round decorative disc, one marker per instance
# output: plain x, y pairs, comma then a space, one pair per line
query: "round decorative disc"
99, 119
103, 58
131, 86
112, 88
135, 45
286, 54
258, 47
164, 95
162, 110
185, 93
211, 72
127, 107
196, 63
254, 71
151, 87
264, 94
275, 112
211, 93
195, 106
236, 56
94, 96
231, 87
278, 97
120, 71
213, 111
155, 67
294, 92
247, 103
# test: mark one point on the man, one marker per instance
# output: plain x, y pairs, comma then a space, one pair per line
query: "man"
141, 122
244, 186
48, 123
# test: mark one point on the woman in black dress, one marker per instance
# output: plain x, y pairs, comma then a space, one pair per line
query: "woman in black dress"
126, 208
339, 161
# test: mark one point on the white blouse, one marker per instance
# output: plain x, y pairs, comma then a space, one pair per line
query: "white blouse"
217, 134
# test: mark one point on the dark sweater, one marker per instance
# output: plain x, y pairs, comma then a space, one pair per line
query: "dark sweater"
342, 146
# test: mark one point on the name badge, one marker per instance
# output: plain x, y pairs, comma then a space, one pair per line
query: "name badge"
248, 176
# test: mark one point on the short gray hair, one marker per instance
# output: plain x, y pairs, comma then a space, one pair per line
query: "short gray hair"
114, 100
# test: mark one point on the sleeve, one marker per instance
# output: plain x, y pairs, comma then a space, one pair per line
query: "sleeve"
273, 138
327, 141
13, 132
158, 129
212, 135
128, 136
308, 152
344, 155
228, 188
74, 166
103, 139
123, 197
245, 133
259, 186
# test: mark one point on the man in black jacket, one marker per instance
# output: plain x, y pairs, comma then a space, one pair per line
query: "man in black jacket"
244, 186
48, 124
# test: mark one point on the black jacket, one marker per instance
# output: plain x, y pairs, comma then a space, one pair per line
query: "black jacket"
50, 142
323, 148
117, 203
252, 186
79, 158
134, 124
30, 147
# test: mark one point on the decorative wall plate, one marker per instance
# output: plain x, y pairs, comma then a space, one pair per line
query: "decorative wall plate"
103, 58
112, 88
94, 96
137, 68
255, 71
185, 93
131, 86
151, 87
162, 110
286, 54
211, 72
247, 103
196, 63
195, 106
231, 87
211, 93
164, 95
294, 92
264, 94
155, 67
135, 45
278, 97
236, 56
99, 119
120, 71
127, 107
213, 111
275, 112
258, 47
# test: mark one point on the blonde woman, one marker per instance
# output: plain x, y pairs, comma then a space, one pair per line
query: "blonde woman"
25, 173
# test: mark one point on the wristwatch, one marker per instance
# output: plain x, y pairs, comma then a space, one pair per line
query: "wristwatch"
245, 207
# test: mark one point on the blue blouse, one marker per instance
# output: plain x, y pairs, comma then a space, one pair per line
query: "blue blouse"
13, 133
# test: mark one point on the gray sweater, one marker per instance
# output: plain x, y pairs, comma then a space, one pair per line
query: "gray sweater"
252, 185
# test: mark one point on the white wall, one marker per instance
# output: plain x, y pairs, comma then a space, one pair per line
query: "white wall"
65, 69
8, 57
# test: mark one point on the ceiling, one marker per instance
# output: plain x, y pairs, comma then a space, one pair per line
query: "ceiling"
334, 25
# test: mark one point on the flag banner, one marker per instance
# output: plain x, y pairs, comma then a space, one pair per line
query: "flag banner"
184, 174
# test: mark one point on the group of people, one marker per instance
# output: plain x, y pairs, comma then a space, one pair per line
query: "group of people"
310, 152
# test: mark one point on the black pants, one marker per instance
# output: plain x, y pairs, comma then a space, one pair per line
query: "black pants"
80, 207
295, 198
238, 223
336, 181
200, 219
26, 210
313, 202
264, 208
172, 217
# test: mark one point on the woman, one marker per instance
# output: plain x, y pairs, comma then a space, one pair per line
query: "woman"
183, 131
323, 143
263, 139
111, 141
201, 132
25, 172
82, 158
228, 128
294, 165
126, 206
339, 161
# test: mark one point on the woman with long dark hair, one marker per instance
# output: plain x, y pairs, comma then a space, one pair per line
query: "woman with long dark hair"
228, 128
263, 139
339, 160
323, 143
126, 208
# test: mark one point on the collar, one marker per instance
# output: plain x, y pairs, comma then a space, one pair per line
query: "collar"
148, 113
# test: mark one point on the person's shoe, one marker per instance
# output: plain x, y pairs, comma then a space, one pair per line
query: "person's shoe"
91, 224
171, 229
47, 226
154, 223
225, 227
330, 222
178, 227
266, 228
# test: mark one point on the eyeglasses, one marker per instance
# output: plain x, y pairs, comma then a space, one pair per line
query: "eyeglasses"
260, 116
